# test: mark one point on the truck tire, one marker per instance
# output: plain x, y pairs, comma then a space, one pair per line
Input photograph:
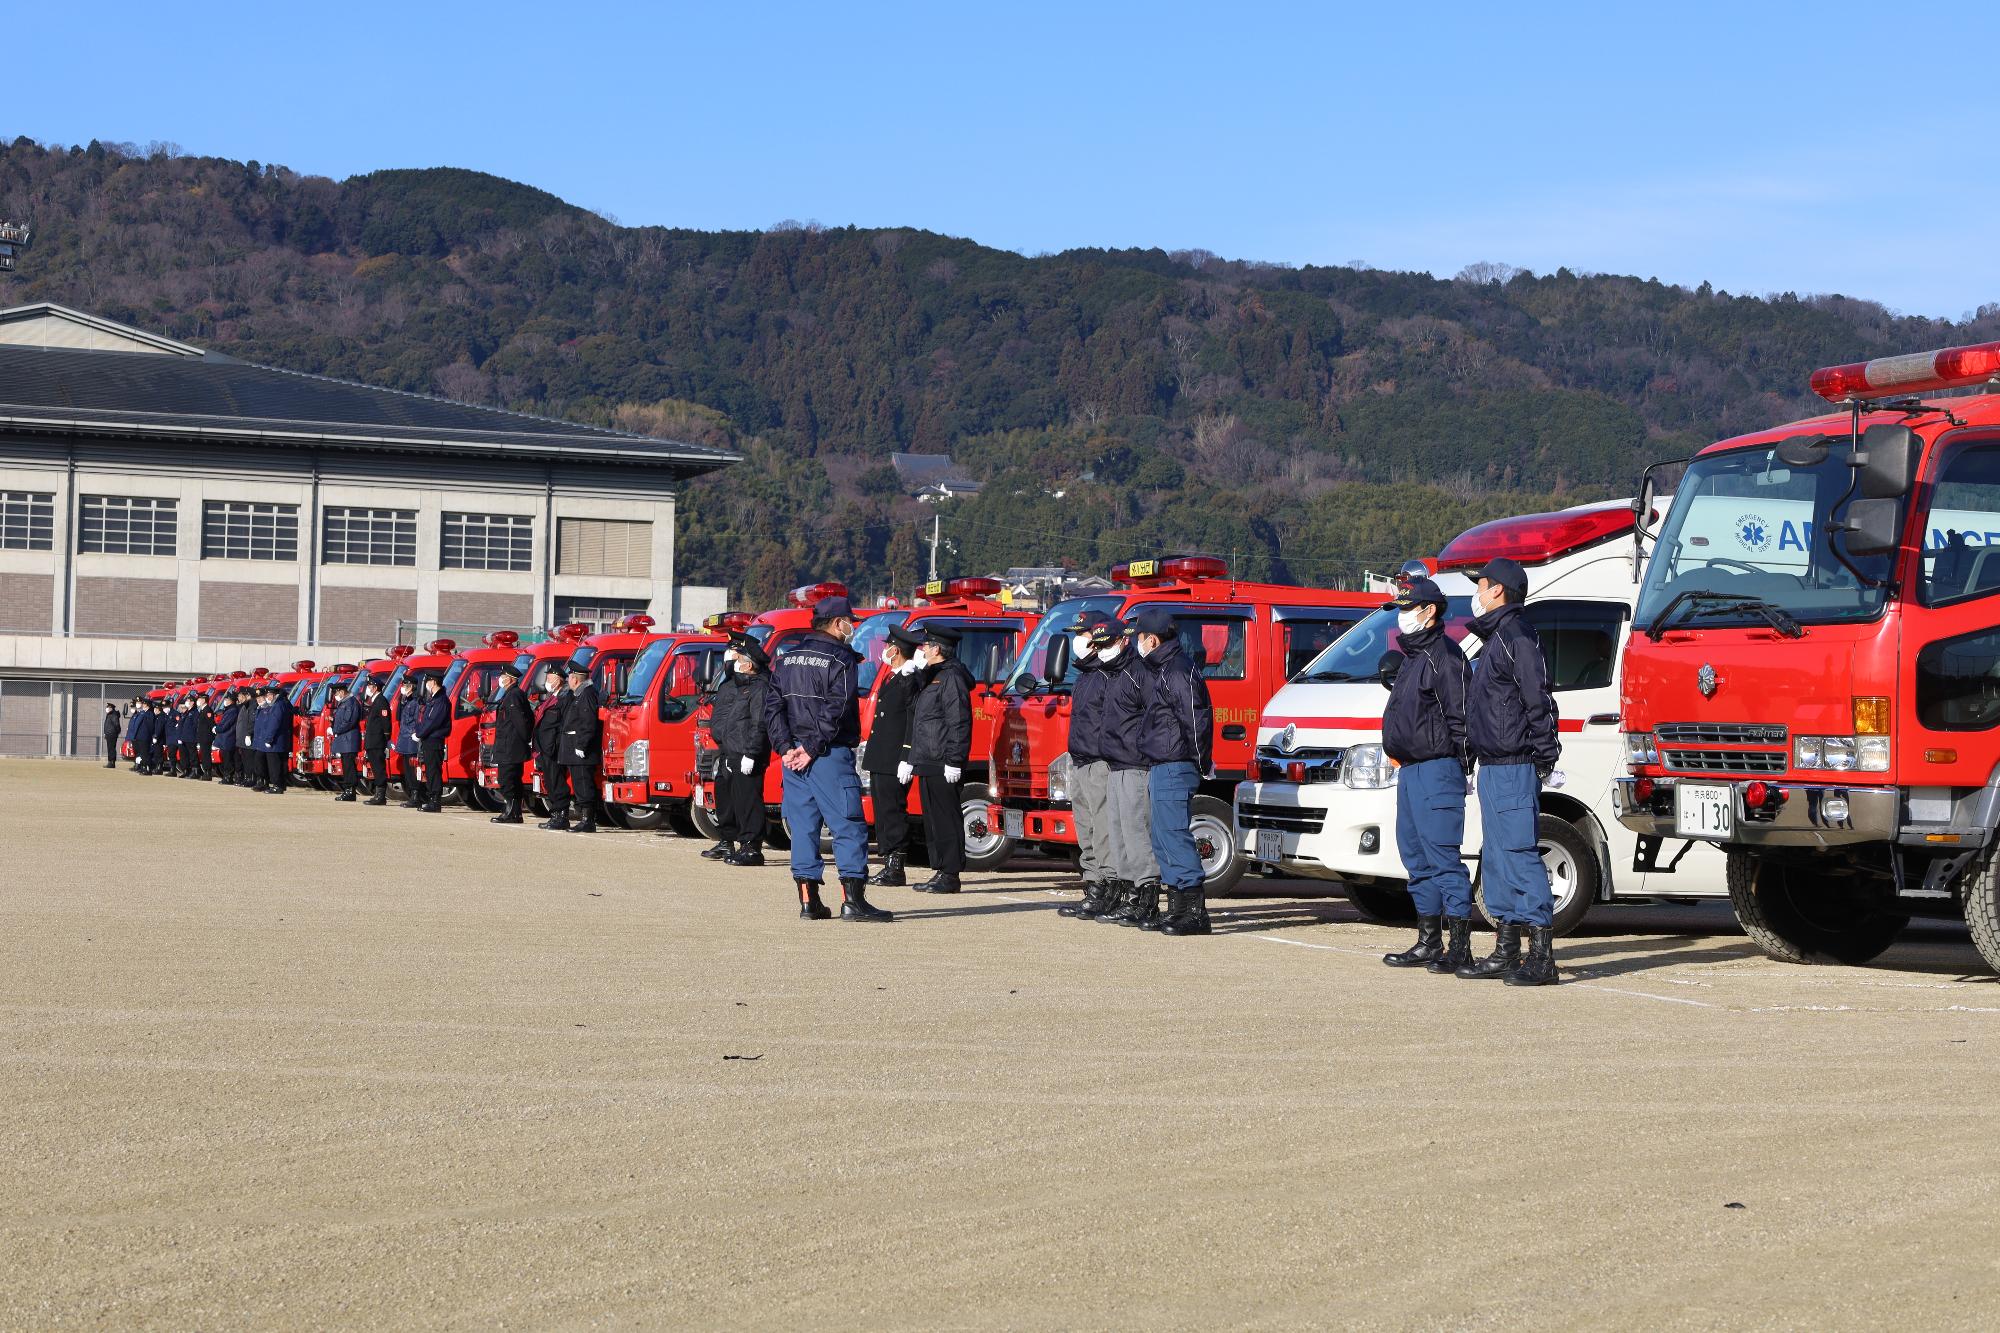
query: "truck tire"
1574, 874
705, 825
1828, 926
480, 798
644, 818
1980, 891
1384, 902
986, 847
680, 817
1222, 861
776, 835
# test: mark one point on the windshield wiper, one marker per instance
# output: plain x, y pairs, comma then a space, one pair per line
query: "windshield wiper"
1330, 676
1709, 603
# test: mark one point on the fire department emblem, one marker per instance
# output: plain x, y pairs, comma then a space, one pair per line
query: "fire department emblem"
1706, 680
1288, 739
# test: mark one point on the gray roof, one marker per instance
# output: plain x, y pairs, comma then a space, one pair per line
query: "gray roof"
205, 395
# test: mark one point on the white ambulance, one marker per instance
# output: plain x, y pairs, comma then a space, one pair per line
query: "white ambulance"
1322, 799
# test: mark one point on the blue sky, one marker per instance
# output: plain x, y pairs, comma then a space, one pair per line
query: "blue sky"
1751, 145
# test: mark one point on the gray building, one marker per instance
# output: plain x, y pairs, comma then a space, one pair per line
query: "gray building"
167, 511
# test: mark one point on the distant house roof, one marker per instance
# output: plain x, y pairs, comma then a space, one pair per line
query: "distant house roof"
933, 475
63, 371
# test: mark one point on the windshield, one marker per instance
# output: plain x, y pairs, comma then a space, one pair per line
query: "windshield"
395, 680
640, 678
1055, 626
608, 673
761, 633
481, 687
298, 693
453, 673
1746, 525
869, 637
1357, 654
319, 694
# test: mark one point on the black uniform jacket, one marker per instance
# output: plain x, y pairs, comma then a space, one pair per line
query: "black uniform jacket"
582, 729
513, 726
889, 729
736, 723
1180, 723
1086, 711
941, 720
1425, 716
1128, 685
377, 723
548, 729
1510, 714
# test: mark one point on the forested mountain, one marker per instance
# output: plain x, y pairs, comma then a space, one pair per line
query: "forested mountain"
1305, 421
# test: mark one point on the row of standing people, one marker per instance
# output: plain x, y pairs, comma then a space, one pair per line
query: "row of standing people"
240, 737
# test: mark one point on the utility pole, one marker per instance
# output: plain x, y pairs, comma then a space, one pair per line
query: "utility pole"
934, 543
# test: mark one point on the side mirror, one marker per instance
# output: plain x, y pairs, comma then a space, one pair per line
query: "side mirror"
1803, 450
1872, 526
1888, 462
1389, 667
1025, 682
1055, 660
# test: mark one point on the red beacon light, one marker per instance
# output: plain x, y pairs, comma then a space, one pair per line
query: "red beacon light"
261, 672
502, 638
941, 589
1533, 539
441, 646
728, 622
302, 665
573, 632
803, 598
1918, 372
1183, 569
638, 624
344, 668
397, 652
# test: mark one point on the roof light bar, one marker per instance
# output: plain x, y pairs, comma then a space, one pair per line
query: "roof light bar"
441, 646
1185, 569
803, 598
502, 638
1918, 372
1534, 539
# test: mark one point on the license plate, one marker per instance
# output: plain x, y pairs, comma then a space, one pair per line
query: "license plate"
1014, 822
609, 799
1270, 846
1704, 811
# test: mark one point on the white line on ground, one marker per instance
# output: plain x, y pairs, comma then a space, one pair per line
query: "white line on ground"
1645, 995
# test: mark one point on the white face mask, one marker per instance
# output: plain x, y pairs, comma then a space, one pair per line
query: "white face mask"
1080, 646
1411, 621
1110, 654
742, 665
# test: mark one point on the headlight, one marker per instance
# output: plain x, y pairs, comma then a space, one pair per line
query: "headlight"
1367, 768
1640, 749
1874, 754
1839, 752
1059, 773
1806, 753
638, 758
319, 747
1842, 754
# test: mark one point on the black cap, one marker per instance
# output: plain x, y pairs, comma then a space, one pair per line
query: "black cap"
1420, 592
1091, 619
748, 647
576, 666
1507, 573
909, 640
341, 685
1155, 620
1106, 631
509, 670
948, 635
832, 608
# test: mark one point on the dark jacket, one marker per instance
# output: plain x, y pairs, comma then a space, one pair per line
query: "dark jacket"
1086, 711
1128, 686
513, 726
139, 728
889, 729
1425, 715
736, 724
1180, 723
582, 728
814, 705
246, 721
406, 723
378, 722
548, 729
271, 729
177, 727
346, 726
113, 726
202, 723
941, 719
225, 727
433, 720
1510, 714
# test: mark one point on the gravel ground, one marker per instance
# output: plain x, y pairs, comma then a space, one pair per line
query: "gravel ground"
287, 1063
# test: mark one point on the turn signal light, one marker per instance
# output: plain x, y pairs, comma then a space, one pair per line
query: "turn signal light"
1871, 715
1940, 756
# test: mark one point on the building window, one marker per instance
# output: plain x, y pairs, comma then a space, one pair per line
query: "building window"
245, 530
127, 525
487, 541
596, 612
27, 521
605, 547
370, 536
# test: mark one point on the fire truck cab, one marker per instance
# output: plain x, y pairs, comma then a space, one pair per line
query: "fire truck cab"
1816, 686
1322, 802
314, 725
531, 662
1248, 638
649, 743
434, 660
471, 683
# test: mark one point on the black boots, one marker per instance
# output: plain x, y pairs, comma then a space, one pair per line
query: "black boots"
810, 907
1145, 906
346, 796
1187, 913
944, 881
749, 854
556, 822
722, 851
1539, 967
431, 808
1095, 897
510, 815
587, 825
855, 905
890, 876
1118, 900
379, 798
1458, 947
1428, 948
1506, 955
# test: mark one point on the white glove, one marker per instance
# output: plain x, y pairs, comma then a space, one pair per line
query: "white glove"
579, 754
904, 773
953, 774
745, 765
1557, 779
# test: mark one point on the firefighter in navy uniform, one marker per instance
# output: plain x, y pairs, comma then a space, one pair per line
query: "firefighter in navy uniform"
113, 727
1089, 775
548, 748
433, 730
1423, 731
202, 721
226, 711
940, 742
377, 726
249, 764
1177, 740
888, 736
177, 731
736, 724
271, 738
346, 739
407, 705
139, 731
1511, 725
813, 715
513, 731
582, 746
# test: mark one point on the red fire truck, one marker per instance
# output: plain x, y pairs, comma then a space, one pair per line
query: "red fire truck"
434, 660
391, 664
1816, 687
649, 729
313, 726
1250, 639
531, 663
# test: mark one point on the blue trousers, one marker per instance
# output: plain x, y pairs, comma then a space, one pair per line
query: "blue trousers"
1170, 790
1510, 868
1430, 825
827, 794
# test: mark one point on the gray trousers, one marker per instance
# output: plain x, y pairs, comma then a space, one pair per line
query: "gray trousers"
1128, 827
1089, 785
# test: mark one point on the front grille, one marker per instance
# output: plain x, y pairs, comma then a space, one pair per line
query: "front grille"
1724, 761
486, 756
705, 764
1289, 818
1020, 782
1718, 733
1322, 764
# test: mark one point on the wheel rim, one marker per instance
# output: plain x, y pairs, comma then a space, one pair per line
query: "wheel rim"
1564, 873
980, 837
1213, 845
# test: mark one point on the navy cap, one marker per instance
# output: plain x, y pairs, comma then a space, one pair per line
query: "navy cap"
832, 608
1091, 619
1154, 620
1420, 592
1107, 631
944, 634
1507, 573
909, 640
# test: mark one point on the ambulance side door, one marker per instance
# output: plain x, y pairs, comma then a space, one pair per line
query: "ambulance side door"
1580, 641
